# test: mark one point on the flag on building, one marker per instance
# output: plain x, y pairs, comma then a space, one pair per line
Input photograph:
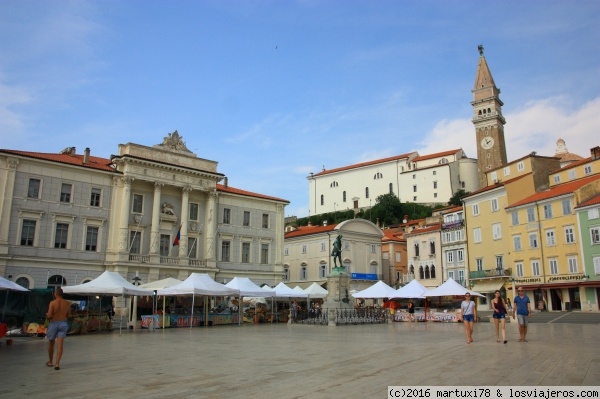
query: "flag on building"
177, 237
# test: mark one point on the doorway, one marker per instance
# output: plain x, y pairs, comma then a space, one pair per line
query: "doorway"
556, 298
574, 298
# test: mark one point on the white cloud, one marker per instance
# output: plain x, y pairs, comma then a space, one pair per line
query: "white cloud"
536, 127
10, 97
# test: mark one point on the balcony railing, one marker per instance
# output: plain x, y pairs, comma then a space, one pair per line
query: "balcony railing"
490, 273
139, 258
197, 262
450, 225
166, 260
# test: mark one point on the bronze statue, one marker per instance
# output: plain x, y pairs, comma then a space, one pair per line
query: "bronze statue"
337, 251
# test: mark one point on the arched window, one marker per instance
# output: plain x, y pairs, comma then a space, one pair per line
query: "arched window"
412, 269
391, 188
416, 249
23, 282
56, 281
427, 275
286, 276
344, 196
432, 271
322, 199
366, 192
421, 274
432, 247
443, 161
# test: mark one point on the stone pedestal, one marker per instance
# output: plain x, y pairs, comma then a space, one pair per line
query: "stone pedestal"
338, 285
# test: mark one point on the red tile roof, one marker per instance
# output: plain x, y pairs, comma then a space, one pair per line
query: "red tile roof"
556, 191
592, 201
75, 160
426, 229
233, 190
496, 185
308, 230
360, 165
392, 234
573, 164
450, 209
436, 155
105, 165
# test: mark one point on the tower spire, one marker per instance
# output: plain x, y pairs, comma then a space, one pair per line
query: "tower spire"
488, 121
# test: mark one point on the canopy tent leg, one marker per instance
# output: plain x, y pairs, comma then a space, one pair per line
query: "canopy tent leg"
121, 322
163, 315
192, 318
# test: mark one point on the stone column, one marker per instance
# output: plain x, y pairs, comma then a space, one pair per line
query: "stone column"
6, 198
279, 234
125, 211
185, 204
211, 227
155, 230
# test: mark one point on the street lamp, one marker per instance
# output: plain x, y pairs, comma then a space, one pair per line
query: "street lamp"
136, 281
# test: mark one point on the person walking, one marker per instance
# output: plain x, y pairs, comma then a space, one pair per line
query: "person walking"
58, 314
499, 315
411, 311
295, 309
522, 309
468, 313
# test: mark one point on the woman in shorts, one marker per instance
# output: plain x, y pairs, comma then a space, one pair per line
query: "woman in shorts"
499, 315
467, 315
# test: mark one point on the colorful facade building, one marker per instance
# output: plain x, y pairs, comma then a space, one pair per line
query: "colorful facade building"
424, 250
307, 253
454, 245
147, 213
426, 179
394, 257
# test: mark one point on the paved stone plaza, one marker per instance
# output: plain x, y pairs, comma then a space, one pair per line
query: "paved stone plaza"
298, 361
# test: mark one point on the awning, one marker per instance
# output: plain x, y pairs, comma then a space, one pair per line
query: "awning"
488, 286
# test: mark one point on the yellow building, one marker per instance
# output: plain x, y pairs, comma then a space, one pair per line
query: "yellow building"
545, 242
488, 226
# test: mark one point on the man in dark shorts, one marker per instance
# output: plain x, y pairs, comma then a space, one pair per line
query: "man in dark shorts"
59, 312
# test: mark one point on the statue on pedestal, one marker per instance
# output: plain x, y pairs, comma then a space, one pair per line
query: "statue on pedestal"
337, 251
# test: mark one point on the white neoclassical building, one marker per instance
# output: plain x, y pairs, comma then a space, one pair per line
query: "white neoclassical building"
307, 253
147, 212
427, 179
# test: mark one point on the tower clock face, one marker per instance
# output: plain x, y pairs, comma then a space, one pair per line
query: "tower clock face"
487, 143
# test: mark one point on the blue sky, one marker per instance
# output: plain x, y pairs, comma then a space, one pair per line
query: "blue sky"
274, 90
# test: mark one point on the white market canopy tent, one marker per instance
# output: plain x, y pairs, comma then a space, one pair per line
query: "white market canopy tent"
414, 289
298, 289
198, 284
377, 290
248, 288
316, 291
158, 284
10, 286
283, 291
108, 283
450, 288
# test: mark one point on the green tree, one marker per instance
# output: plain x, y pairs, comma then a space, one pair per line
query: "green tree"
458, 195
387, 209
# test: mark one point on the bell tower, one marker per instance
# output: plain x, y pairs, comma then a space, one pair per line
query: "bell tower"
488, 121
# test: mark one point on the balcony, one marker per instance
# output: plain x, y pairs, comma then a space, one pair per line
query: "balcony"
491, 273
166, 260
450, 225
139, 258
